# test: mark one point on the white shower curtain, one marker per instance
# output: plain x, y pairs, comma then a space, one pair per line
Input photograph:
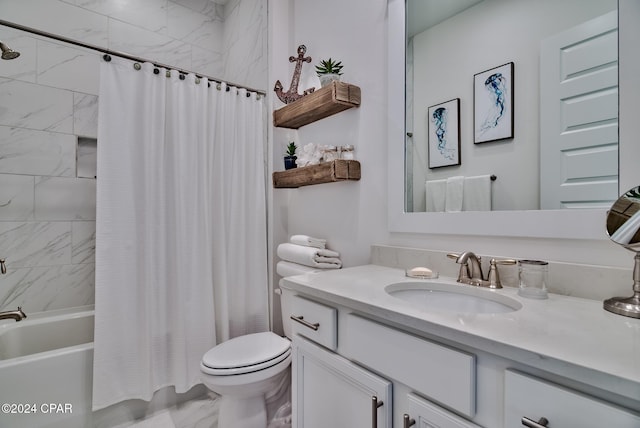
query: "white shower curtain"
181, 252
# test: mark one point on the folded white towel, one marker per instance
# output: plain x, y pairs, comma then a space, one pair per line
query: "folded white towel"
477, 193
308, 241
455, 187
284, 268
436, 195
309, 256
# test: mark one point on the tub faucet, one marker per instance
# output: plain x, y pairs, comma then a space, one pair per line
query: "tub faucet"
16, 315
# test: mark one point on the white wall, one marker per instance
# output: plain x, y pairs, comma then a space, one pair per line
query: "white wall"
446, 57
352, 216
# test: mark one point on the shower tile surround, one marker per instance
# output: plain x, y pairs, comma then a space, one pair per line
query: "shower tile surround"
49, 122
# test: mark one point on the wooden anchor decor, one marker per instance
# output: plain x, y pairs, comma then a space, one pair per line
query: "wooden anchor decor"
292, 94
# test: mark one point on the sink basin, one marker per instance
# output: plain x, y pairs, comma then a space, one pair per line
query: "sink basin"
440, 296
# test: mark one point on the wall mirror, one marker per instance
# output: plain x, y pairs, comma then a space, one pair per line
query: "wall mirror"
515, 161
565, 72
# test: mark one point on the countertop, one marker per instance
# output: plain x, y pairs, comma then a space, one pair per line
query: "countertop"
565, 333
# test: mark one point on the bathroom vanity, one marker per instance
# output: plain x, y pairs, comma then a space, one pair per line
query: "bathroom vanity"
370, 350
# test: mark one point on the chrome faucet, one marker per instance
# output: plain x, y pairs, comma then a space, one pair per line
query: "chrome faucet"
16, 315
471, 270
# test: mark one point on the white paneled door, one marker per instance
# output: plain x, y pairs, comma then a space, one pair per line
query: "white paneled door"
579, 116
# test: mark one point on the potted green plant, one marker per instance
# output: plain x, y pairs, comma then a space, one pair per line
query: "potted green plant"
329, 70
290, 158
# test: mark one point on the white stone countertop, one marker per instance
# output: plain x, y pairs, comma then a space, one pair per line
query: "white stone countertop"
561, 334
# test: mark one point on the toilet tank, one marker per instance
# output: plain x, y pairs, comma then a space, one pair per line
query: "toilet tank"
285, 308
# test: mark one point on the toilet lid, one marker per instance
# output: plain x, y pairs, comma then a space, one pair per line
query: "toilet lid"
246, 351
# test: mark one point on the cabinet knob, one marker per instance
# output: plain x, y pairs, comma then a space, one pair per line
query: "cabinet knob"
374, 410
407, 421
542, 422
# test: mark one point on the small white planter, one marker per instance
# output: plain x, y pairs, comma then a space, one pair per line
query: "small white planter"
326, 79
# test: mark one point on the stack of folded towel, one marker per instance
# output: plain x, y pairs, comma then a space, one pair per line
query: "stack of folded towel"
304, 254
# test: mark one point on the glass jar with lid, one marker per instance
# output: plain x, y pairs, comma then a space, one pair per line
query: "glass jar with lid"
346, 152
329, 153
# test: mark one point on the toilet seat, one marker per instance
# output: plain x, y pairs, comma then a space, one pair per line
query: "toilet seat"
246, 354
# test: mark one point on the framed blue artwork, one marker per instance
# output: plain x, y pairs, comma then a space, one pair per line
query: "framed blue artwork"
493, 104
444, 133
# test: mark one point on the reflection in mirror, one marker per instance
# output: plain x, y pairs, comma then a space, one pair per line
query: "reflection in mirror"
623, 227
564, 149
623, 220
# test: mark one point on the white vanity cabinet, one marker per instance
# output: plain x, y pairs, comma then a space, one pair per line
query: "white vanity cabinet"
531, 402
336, 390
331, 391
421, 413
447, 370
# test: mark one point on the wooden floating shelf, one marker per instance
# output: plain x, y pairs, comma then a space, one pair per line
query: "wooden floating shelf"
324, 102
326, 172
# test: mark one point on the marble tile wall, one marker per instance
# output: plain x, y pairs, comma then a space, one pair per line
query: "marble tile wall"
49, 121
245, 43
48, 97
223, 41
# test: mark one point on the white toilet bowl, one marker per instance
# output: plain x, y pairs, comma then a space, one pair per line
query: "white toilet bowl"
242, 370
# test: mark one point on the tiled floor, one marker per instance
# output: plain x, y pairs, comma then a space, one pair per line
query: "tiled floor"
203, 412
200, 413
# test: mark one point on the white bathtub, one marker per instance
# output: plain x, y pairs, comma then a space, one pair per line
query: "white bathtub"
46, 366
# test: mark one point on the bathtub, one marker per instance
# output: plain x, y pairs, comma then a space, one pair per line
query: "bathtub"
46, 366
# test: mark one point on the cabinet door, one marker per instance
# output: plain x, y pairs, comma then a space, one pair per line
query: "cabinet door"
331, 391
424, 414
534, 399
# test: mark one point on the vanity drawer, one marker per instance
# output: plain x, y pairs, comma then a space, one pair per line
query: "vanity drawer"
440, 373
314, 321
531, 398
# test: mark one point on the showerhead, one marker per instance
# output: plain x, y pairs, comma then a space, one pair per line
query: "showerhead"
7, 52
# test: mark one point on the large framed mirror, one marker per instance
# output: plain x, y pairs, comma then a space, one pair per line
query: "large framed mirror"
517, 208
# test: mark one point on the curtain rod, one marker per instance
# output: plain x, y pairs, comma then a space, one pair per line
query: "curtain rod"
119, 54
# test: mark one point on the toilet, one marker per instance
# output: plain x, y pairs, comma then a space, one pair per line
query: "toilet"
243, 369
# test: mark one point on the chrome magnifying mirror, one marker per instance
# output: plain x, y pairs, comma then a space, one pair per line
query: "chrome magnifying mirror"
623, 227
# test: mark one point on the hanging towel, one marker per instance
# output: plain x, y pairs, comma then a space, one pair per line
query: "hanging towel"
436, 195
477, 193
284, 268
308, 256
308, 241
455, 187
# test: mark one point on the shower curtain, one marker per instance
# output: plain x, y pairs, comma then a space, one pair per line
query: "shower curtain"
181, 251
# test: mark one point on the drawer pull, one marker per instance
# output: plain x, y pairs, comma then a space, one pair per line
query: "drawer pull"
374, 410
542, 422
407, 421
305, 323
